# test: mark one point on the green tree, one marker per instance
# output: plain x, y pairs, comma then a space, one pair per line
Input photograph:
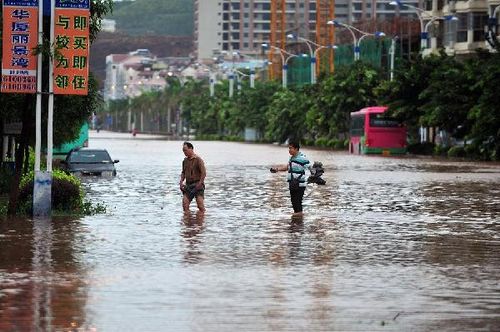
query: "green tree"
336, 96
286, 115
450, 95
404, 96
160, 17
485, 114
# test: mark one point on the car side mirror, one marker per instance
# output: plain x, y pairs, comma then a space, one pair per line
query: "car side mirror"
116, 161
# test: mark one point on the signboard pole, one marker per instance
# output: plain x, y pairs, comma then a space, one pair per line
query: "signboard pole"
50, 123
42, 183
38, 135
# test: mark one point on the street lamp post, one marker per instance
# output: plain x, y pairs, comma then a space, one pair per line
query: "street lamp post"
393, 55
491, 28
284, 62
419, 12
251, 76
313, 54
356, 41
424, 34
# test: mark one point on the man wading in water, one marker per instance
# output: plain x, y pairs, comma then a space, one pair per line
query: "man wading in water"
296, 178
194, 172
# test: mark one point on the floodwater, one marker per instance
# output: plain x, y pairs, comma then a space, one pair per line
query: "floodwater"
389, 244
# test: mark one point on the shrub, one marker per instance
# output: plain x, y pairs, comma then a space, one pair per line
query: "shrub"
440, 150
339, 145
456, 151
331, 143
6, 174
321, 141
67, 195
308, 142
421, 148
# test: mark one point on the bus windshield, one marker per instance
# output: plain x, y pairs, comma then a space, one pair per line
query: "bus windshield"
357, 125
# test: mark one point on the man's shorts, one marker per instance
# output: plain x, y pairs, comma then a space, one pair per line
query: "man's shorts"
190, 191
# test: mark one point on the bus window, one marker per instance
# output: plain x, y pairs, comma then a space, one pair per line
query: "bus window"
379, 120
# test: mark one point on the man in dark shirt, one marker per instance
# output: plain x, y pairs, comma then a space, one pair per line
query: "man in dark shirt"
194, 172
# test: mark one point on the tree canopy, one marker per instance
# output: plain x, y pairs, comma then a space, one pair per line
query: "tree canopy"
155, 17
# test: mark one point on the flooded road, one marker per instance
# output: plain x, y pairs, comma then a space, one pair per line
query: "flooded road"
389, 244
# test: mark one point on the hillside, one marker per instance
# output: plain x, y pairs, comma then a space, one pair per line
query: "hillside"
154, 17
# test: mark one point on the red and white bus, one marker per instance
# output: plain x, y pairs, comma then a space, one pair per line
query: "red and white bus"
372, 132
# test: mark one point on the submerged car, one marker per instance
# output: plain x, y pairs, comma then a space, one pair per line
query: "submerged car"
86, 161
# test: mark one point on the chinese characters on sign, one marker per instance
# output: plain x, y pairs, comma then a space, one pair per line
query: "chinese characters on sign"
20, 38
71, 29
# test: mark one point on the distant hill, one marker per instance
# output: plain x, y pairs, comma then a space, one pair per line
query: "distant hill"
154, 17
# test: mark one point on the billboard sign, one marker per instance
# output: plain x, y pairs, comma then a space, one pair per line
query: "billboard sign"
71, 37
19, 39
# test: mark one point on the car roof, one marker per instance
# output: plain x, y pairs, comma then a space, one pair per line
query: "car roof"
89, 149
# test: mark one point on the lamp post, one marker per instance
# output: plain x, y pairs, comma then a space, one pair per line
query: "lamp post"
231, 76
313, 54
356, 41
491, 28
424, 34
419, 12
434, 19
393, 55
178, 110
251, 76
284, 62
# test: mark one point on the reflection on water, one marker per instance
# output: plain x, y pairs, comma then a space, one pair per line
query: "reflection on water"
192, 234
388, 244
42, 283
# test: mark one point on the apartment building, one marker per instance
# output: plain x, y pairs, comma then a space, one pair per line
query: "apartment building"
467, 33
243, 25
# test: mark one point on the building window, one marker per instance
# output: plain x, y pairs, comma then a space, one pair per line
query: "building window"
450, 32
479, 21
462, 28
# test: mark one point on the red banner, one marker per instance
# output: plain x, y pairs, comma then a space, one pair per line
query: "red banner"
20, 38
71, 64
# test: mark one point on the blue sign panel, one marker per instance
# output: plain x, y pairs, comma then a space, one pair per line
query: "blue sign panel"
75, 4
27, 3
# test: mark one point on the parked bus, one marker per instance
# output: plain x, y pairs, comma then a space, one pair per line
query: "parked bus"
81, 141
372, 132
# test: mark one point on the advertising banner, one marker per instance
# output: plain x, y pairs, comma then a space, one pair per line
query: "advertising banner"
19, 39
71, 63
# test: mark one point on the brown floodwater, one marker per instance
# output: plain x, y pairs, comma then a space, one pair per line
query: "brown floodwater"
389, 244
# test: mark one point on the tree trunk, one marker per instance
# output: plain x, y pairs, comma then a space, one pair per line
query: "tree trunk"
20, 153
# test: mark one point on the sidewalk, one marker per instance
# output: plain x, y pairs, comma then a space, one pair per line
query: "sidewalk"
104, 134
